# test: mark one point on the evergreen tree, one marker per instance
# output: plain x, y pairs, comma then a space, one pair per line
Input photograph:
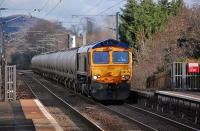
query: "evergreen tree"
127, 27
141, 20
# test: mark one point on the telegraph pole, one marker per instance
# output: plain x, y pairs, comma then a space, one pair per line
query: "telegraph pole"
2, 59
2, 69
84, 36
85, 31
117, 26
2, 54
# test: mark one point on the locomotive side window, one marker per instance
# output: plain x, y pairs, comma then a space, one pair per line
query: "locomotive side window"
77, 58
101, 57
79, 61
88, 56
85, 63
120, 57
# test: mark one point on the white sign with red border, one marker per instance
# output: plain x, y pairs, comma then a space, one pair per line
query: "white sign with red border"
193, 68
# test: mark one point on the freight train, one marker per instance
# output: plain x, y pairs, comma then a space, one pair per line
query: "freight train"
102, 70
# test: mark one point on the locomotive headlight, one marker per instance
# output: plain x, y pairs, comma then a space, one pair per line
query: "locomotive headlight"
126, 77
95, 77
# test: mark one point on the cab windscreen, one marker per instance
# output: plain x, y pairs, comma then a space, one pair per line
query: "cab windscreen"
101, 57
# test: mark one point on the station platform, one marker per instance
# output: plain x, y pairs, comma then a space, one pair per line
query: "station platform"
191, 96
143, 92
27, 115
184, 95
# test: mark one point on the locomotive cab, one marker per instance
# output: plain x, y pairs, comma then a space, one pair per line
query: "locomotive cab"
111, 72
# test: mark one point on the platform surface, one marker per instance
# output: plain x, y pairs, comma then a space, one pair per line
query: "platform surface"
13, 118
186, 95
143, 92
26, 115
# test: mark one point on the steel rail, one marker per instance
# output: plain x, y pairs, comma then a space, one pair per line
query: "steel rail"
138, 123
143, 125
178, 124
77, 113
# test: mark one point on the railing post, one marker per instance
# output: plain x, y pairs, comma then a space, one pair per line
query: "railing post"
174, 74
14, 81
184, 75
5, 83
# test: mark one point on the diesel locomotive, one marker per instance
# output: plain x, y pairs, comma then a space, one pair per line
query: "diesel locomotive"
102, 70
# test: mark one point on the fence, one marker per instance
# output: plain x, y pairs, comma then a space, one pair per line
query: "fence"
10, 83
182, 78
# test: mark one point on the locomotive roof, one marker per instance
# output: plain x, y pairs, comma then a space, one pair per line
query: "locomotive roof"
108, 42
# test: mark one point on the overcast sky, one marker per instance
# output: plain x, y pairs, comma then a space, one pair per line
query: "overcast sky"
63, 10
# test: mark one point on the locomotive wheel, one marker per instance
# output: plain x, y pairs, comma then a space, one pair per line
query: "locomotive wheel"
79, 87
87, 90
70, 84
82, 89
74, 87
65, 83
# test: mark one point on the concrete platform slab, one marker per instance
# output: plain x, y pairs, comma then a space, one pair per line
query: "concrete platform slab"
186, 95
12, 118
42, 120
28, 115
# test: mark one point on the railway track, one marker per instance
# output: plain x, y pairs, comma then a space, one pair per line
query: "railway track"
162, 118
49, 98
155, 121
149, 119
93, 111
110, 117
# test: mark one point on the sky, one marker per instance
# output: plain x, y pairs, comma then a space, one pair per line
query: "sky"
65, 11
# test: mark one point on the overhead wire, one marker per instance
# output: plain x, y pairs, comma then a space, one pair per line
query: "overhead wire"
53, 8
57, 4
82, 15
13, 19
2, 2
111, 7
99, 14
44, 6
18, 9
95, 6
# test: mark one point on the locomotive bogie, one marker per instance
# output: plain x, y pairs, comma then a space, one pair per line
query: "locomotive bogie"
104, 91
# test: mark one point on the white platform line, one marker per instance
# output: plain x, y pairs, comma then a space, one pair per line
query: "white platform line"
48, 116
